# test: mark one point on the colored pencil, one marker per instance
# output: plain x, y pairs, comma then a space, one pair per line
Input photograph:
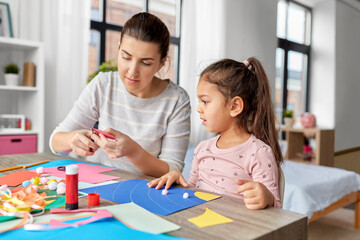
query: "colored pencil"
23, 166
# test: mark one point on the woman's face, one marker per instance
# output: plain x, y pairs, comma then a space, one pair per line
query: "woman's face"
138, 61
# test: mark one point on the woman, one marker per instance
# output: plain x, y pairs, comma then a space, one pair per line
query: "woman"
149, 117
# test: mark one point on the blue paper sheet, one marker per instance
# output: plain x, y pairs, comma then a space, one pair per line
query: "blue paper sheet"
62, 162
106, 229
137, 191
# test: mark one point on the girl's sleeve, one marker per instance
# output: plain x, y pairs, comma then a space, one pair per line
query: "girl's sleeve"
265, 170
85, 112
175, 141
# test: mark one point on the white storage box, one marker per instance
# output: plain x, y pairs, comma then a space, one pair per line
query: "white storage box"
12, 123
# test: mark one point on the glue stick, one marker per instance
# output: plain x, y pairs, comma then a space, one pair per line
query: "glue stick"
71, 193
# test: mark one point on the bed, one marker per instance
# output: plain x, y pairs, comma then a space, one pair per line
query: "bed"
311, 189
318, 190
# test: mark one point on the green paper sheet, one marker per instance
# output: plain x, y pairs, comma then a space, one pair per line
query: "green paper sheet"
141, 219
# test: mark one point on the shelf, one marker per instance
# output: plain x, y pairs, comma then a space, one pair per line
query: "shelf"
24, 100
17, 44
18, 88
323, 151
18, 132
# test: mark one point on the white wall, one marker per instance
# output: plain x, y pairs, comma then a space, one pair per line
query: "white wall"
216, 29
347, 85
335, 70
251, 31
322, 69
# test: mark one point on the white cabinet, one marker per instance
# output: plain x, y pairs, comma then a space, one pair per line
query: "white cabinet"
28, 101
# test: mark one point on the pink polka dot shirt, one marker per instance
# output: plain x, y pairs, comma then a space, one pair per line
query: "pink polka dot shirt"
215, 170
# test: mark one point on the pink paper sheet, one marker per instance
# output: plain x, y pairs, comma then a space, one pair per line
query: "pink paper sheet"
100, 214
87, 173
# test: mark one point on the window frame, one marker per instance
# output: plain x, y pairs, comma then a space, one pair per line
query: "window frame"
102, 26
287, 46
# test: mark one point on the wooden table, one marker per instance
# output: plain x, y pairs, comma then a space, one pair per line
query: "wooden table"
270, 223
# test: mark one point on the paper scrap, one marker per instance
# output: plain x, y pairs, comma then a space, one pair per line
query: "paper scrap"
206, 196
83, 185
114, 229
140, 219
16, 178
209, 218
62, 162
87, 173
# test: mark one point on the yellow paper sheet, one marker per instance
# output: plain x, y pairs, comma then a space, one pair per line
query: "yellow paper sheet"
206, 196
209, 218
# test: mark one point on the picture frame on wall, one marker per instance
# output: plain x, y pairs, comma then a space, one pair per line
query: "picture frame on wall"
5, 20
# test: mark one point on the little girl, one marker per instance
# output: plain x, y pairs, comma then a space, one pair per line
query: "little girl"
244, 159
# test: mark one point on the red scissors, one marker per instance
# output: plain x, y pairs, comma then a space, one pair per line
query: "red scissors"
107, 135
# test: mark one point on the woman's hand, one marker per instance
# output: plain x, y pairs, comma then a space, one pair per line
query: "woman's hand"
168, 179
81, 143
122, 146
256, 195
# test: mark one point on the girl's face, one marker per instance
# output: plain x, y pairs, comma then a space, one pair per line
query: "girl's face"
213, 108
138, 61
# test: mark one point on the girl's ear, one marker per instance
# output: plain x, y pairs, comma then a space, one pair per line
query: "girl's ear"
237, 106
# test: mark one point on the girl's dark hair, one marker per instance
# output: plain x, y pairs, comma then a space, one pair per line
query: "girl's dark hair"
148, 28
251, 83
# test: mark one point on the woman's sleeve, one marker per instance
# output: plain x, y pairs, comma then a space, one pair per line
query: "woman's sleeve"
175, 141
265, 170
85, 112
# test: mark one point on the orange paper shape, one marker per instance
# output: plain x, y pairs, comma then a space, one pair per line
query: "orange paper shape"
16, 178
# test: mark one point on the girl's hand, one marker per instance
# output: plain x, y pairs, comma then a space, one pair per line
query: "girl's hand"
169, 179
82, 144
122, 146
256, 195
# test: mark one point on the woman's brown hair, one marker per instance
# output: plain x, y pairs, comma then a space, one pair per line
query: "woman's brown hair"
148, 28
249, 81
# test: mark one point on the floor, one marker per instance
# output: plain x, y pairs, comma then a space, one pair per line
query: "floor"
338, 225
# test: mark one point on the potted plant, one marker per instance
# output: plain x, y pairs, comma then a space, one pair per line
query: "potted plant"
11, 74
104, 67
288, 118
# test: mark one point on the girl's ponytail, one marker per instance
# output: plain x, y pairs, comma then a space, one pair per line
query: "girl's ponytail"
263, 126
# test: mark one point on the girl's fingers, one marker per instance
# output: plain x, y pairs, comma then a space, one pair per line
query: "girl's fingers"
161, 183
169, 182
182, 181
254, 206
153, 183
250, 194
241, 182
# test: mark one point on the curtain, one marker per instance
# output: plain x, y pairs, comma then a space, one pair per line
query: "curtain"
63, 27
202, 42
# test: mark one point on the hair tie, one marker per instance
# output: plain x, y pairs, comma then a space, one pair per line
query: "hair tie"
246, 63
142, 16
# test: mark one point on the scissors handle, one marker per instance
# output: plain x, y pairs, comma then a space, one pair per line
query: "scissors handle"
107, 135
61, 168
